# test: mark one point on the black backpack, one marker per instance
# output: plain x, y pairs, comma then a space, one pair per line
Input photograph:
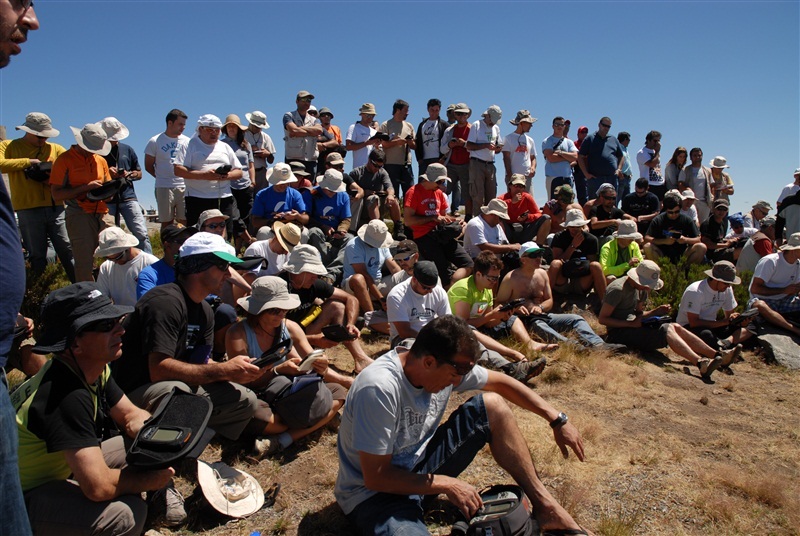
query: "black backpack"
506, 511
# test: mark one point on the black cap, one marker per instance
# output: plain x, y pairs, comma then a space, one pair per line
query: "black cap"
67, 310
406, 247
176, 233
426, 273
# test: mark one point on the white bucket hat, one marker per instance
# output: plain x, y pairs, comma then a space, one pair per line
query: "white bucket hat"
115, 130
38, 124
332, 181
305, 259
288, 234
376, 234
114, 240
257, 118
627, 229
791, 244
269, 292
279, 174
575, 218
719, 162
92, 138
496, 207
229, 491
647, 273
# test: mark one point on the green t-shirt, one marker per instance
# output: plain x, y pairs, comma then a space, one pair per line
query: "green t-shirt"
623, 297
464, 290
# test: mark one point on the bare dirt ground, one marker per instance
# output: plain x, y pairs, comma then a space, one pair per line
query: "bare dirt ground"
666, 453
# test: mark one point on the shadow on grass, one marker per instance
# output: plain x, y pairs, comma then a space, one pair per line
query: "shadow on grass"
328, 521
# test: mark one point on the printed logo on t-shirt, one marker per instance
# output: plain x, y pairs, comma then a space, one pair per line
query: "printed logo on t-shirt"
426, 315
278, 206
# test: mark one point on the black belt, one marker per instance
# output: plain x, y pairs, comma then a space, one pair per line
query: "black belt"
482, 161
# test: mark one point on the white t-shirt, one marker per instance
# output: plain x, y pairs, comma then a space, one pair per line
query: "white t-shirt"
430, 139
119, 281
259, 140
358, 133
163, 148
479, 232
789, 189
747, 232
275, 261
405, 305
699, 298
691, 213
520, 147
776, 273
385, 414
480, 132
199, 156
653, 175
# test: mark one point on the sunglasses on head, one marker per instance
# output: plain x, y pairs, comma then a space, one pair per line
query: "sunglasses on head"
102, 326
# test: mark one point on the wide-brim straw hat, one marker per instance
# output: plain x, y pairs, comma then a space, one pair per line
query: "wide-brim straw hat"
229, 491
288, 234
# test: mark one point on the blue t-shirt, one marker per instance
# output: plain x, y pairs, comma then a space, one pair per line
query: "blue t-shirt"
358, 252
268, 202
124, 157
158, 273
558, 169
12, 274
603, 154
244, 157
330, 210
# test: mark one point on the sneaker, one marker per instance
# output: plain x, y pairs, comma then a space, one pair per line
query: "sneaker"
526, 370
729, 356
707, 366
266, 446
167, 504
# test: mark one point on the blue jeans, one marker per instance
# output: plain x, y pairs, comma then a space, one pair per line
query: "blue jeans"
593, 184
451, 449
36, 225
13, 514
551, 330
134, 219
624, 189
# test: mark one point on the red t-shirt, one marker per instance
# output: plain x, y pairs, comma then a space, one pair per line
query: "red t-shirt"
459, 155
526, 203
425, 203
763, 246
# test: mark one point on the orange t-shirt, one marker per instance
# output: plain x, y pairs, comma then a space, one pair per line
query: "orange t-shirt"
73, 169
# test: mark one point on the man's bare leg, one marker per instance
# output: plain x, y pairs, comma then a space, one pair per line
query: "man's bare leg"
774, 317
511, 452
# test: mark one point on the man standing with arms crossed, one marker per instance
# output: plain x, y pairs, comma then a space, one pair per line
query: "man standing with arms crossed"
483, 143
158, 155
559, 153
398, 148
601, 158
17, 17
301, 130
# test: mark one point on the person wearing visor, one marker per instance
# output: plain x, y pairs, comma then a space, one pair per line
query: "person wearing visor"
60, 425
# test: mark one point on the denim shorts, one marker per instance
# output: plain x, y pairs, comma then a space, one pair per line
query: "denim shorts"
451, 449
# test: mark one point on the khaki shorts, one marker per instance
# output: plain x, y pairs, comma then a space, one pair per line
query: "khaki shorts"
170, 204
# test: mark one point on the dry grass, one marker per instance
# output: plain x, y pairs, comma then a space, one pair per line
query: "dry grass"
666, 453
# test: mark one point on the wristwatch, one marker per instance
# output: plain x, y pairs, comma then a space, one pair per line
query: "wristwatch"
559, 421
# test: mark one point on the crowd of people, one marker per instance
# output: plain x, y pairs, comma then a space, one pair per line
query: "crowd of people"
257, 253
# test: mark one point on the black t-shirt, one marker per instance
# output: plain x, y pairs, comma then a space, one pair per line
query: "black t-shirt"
588, 247
376, 182
661, 227
602, 214
711, 230
12, 274
634, 205
319, 289
62, 413
167, 321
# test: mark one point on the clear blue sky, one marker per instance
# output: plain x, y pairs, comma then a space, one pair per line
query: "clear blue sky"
723, 76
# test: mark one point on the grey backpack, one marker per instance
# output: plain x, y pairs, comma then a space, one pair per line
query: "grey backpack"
506, 511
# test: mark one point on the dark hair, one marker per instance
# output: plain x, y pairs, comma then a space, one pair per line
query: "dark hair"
558, 118
194, 264
642, 183
174, 114
377, 155
399, 104
623, 136
674, 159
671, 201
695, 149
605, 120
652, 134
485, 261
434, 102
445, 338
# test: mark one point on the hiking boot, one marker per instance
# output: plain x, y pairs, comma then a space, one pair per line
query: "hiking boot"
266, 446
526, 370
614, 348
166, 504
707, 366
729, 356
